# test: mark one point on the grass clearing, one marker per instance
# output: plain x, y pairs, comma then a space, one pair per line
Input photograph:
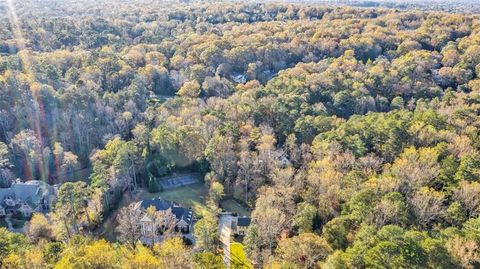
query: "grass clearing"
238, 257
232, 205
192, 196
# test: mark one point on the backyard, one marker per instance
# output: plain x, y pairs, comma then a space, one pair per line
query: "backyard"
232, 205
191, 196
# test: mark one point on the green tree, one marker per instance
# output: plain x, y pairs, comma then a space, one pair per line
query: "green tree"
4, 244
216, 192
385, 255
303, 251
305, 217
69, 207
208, 260
190, 89
469, 169
206, 230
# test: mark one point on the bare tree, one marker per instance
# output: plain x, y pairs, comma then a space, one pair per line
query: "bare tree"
166, 221
128, 224
370, 164
248, 170
427, 205
391, 209
39, 227
468, 194
416, 168
273, 214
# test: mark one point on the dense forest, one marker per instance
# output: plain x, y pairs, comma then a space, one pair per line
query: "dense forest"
352, 133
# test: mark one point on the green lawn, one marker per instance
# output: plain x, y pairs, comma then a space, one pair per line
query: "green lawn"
238, 257
192, 196
232, 205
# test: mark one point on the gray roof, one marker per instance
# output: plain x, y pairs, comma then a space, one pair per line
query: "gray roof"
30, 192
27, 190
180, 213
243, 221
4, 192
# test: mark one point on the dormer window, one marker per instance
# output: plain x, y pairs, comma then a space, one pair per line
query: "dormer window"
9, 201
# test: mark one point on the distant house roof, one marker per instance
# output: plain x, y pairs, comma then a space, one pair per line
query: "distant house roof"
25, 190
180, 213
243, 221
30, 192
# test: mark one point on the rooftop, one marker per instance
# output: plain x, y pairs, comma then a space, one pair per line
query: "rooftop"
244, 221
180, 212
30, 192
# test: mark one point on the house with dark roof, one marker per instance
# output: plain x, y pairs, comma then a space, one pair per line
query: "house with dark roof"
241, 224
183, 216
26, 197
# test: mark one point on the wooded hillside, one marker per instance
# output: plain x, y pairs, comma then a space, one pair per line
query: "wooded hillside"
352, 133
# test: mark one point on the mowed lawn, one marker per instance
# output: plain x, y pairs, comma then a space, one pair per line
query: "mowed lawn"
192, 196
232, 205
238, 257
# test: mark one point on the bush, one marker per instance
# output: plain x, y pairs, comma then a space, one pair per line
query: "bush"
187, 241
153, 186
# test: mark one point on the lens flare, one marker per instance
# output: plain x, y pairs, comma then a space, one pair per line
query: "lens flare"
24, 55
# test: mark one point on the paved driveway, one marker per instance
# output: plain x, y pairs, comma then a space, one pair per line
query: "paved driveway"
225, 228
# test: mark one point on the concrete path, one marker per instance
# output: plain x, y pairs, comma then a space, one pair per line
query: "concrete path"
225, 228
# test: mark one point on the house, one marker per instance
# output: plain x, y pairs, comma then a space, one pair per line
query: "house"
239, 78
24, 198
242, 225
183, 216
